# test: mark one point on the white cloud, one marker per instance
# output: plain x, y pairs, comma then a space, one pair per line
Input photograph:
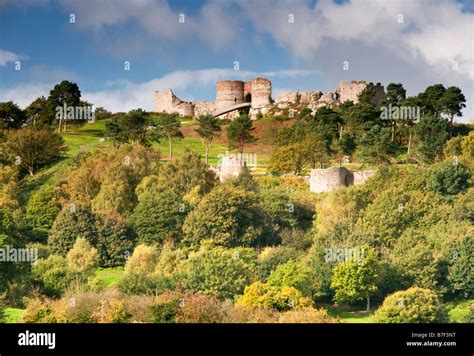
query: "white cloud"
7, 56
24, 94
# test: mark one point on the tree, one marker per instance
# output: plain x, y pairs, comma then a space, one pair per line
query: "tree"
11, 116
431, 134
228, 216
143, 261
432, 100
53, 275
327, 123
451, 178
291, 274
260, 294
452, 102
182, 175
82, 258
32, 149
67, 93
115, 239
117, 193
38, 113
355, 280
460, 270
42, 209
73, 221
219, 272
414, 305
344, 146
298, 148
132, 127
375, 145
239, 132
208, 127
168, 125
395, 95
158, 216
9, 187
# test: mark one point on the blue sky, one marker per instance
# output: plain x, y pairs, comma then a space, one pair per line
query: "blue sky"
299, 45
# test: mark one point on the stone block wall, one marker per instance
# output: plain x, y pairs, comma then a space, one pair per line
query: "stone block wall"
331, 179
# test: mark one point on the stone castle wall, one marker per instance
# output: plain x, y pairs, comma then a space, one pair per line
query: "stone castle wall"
257, 91
331, 179
228, 93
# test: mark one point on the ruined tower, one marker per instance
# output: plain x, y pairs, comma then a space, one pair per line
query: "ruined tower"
228, 93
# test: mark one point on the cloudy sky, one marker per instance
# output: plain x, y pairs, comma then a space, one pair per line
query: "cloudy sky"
189, 45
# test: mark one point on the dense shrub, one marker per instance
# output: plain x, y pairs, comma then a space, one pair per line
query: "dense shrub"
158, 216
291, 274
271, 257
53, 275
229, 217
219, 272
73, 221
414, 305
307, 316
280, 298
115, 240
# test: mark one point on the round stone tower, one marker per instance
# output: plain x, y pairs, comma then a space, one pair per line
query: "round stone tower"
228, 93
260, 90
328, 180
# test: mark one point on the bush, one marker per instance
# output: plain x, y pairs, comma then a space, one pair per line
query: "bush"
115, 240
462, 312
291, 274
450, 179
143, 260
228, 217
414, 305
165, 312
53, 275
158, 216
73, 221
271, 257
41, 210
307, 316
219, 272
38, 311
200, 308
261, 294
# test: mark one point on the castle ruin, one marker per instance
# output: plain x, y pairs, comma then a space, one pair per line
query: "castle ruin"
232, 95
331, 179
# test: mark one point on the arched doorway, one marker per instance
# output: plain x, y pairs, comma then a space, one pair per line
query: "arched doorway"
248, 98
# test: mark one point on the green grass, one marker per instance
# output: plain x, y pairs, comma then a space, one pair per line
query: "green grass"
193, 144
13, 315
109, 276
349, 315
78, 138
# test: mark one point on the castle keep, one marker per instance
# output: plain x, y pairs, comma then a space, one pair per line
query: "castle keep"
255, 95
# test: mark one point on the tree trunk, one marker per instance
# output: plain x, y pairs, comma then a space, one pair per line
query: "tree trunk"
171, 148
207, 154
59, 127
409, 143
393, 131
368, 303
